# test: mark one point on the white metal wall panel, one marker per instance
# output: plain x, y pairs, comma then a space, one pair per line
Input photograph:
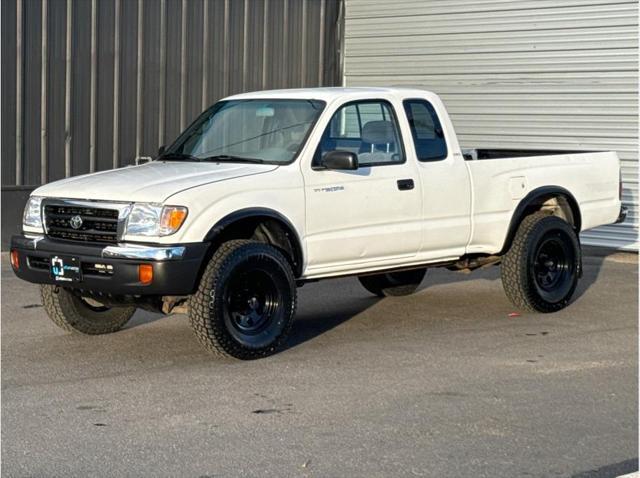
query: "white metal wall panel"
514, 73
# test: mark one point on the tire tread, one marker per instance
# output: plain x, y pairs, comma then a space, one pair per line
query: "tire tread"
214, 338
515, 270
61, 307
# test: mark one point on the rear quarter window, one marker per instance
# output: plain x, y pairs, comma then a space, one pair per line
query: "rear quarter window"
426, 130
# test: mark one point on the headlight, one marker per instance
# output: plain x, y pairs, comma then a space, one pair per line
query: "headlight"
154, 219
32, 216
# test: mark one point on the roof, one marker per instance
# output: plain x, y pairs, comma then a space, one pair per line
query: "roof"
329, 94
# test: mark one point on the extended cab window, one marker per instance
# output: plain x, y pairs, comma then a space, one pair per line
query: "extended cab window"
366, 128
426, 130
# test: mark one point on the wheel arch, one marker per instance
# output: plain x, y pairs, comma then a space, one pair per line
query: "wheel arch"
267, 225
558, 200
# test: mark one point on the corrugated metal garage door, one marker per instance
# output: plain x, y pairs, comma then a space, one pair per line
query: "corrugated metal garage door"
531, 74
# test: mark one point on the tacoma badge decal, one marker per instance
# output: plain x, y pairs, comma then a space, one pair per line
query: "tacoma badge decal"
328, 189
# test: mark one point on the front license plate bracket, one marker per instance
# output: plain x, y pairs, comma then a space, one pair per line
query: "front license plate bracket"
65, 268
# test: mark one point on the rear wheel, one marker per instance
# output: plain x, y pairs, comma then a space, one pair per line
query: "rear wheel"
246, 301
541, 269
393, 283
77, 314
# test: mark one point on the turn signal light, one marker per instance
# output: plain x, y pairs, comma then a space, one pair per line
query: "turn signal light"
15, 259
145, 273
171, 219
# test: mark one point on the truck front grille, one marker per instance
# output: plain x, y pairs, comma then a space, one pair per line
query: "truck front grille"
81, 223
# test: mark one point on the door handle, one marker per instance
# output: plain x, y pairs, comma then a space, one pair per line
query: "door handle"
405, 184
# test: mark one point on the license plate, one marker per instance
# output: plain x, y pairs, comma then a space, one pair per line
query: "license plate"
65, 269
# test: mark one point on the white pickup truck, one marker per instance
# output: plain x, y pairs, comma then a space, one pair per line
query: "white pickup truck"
268, 190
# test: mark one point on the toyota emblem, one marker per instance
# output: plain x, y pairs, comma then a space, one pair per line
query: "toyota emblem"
75, 222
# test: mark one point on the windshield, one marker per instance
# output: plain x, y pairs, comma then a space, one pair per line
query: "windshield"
270, 131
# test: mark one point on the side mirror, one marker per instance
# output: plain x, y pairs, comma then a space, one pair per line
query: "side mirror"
161, 150
340, 160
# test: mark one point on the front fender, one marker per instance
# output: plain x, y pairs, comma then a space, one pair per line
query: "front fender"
281, 192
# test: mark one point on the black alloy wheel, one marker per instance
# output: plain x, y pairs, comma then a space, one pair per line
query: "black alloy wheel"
553, 266
252, 300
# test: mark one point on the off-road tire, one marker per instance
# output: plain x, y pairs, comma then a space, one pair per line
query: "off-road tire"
520, 263
216, 325
73, 314
393, 283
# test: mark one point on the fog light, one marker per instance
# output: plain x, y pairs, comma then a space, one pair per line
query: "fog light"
145, 273
15, 259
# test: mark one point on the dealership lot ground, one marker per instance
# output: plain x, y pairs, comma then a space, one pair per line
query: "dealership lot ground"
442, 383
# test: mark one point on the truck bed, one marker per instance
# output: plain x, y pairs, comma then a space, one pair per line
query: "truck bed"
473, 154
498, 186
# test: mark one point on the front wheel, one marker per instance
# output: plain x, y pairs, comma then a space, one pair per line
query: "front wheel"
541, 269
246, 301
77, 314
393, 283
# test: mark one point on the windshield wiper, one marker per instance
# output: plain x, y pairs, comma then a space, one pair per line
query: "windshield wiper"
178, 156
232, 159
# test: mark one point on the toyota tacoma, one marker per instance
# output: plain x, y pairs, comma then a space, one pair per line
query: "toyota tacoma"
266, 191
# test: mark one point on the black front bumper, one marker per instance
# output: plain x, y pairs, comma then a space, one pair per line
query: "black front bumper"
176, 269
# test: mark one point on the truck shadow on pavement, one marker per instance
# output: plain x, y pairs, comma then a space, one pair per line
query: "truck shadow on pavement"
308, 326
144, 317
316, 319
610, 471
593, 259
592, 262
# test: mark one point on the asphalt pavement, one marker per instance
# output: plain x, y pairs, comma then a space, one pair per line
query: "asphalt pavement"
444, 383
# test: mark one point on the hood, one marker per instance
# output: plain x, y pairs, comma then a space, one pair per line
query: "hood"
151, 182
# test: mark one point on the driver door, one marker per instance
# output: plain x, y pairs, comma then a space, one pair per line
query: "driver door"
366, 217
